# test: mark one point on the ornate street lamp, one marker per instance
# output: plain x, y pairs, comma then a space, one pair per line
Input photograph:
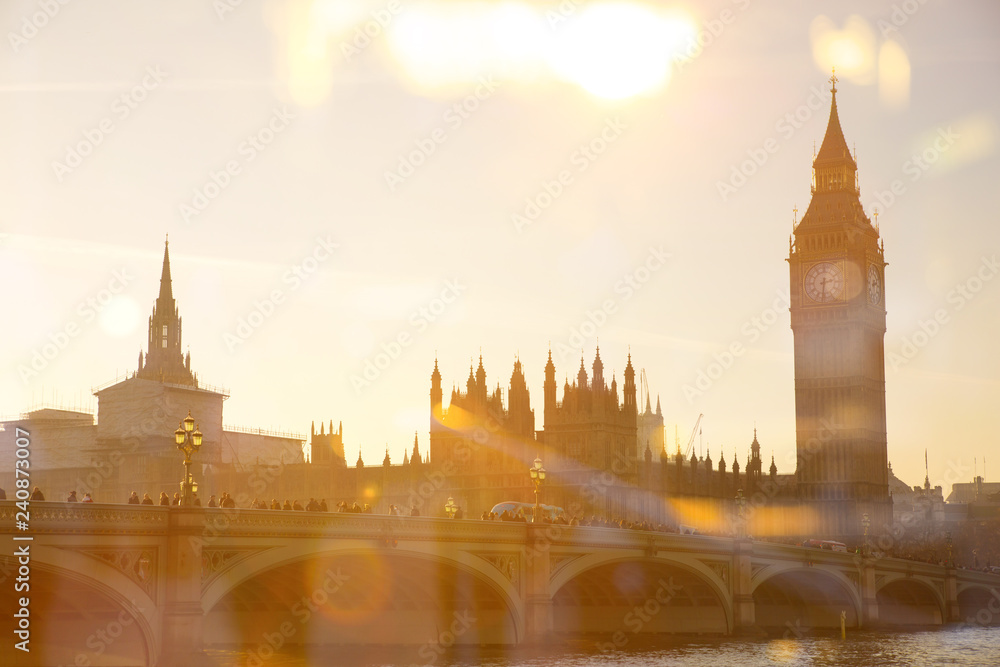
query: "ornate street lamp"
450, 507
188, 439
537, 473
741, 508
865, 523
948, 545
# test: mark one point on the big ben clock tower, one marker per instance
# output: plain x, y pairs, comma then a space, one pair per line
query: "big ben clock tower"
836, 269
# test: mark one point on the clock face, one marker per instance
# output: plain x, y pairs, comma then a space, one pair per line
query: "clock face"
874, 285
824, 282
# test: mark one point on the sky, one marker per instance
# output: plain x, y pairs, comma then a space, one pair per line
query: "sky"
353, 190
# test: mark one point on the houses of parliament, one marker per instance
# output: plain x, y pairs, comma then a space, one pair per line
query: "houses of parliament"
606, 455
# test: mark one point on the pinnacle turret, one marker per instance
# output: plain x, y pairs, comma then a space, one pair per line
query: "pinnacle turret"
164, 360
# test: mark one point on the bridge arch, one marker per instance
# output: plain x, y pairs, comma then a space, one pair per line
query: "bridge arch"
906, 600
979, 604
667, 593
413, 587
798, 599
91, 610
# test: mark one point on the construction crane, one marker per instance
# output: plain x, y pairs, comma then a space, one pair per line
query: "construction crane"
694, 432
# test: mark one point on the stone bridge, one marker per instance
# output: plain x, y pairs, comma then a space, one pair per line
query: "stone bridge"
128, 584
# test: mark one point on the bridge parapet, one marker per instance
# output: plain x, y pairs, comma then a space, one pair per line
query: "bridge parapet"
90, 518
281, 523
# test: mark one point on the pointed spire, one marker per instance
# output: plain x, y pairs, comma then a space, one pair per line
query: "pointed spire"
834, 146
927, 472
360, 463
658, 411
386, 460
415, 458
598, 371
166, 288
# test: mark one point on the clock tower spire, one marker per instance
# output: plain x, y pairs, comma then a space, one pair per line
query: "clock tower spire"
836, 269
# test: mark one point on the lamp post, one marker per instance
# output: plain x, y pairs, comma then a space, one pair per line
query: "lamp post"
450, 507
537, 473
188, 439
948, 545
865, 523
741, 507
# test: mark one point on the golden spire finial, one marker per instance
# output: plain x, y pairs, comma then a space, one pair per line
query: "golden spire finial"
833, 80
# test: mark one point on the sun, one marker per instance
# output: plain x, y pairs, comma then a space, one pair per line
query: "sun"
612, 50
620, 50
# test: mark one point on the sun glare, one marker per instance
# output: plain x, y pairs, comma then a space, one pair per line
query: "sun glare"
616, 51
611, 50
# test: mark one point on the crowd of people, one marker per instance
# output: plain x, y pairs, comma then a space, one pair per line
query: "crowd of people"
926, 550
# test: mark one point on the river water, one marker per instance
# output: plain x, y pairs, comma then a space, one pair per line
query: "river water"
972, 646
